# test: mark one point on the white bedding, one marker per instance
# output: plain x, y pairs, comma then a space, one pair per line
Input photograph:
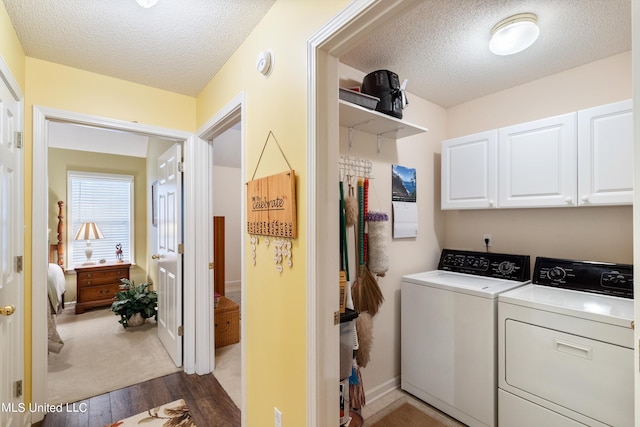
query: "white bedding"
56, 285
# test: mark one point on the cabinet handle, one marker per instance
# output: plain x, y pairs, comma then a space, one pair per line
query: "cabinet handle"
491, 202
585, 198
568, 200
88, 282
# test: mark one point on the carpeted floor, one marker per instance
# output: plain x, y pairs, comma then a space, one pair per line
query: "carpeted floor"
99, 356
228, 371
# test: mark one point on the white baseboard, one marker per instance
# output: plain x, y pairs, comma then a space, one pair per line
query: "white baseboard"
382, 390
232, 286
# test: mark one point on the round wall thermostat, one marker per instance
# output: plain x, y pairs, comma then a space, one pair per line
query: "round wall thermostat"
264, 62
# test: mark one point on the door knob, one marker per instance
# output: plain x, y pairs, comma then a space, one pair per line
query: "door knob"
7, 310
155, 256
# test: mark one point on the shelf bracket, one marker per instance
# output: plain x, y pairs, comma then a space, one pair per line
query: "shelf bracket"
382, 136
354, 129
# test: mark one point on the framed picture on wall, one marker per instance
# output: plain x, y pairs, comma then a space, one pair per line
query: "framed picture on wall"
154, 203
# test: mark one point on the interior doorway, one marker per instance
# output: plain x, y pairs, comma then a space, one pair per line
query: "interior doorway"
223, 169
227, 194
90, 344
41, 117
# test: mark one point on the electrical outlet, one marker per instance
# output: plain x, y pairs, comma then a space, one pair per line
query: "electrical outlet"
486, 240
277, 417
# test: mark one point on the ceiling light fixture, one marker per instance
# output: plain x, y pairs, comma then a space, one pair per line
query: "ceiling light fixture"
147, 3
514, 34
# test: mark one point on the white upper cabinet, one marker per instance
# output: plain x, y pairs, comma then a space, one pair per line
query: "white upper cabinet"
537, 163
605, 155
469, 171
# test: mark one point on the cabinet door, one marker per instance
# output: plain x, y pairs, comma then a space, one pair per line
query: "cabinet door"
537, 162
469, 171
605, 155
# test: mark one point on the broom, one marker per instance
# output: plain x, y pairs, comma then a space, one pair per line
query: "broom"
366, 293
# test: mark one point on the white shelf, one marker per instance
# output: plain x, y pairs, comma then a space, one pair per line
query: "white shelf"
359, 118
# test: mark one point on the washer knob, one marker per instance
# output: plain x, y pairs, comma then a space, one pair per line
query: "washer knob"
557, 273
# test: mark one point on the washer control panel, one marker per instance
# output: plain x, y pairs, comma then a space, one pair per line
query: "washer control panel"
502, 266
586, 276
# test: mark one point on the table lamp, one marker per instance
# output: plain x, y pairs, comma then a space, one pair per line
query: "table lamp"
88, 231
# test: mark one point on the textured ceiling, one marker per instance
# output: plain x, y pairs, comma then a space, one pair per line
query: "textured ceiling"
441, 46
177, 45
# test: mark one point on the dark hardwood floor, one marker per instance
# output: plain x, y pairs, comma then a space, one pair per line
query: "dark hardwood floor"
209, 404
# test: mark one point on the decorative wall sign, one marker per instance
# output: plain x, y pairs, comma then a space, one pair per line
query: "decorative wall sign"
271, 206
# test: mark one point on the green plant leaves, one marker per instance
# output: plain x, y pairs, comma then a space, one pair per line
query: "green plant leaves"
132, 299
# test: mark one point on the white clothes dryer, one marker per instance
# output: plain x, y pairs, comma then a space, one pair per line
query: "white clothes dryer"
566, 347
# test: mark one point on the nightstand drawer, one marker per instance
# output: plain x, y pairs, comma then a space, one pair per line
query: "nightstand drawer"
103, 275
95, 293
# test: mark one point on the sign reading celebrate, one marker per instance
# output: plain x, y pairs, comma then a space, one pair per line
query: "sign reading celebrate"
271, 206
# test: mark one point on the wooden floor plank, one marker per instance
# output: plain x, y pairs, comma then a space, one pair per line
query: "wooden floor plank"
120, 403
99, 410
209, 404
77, 419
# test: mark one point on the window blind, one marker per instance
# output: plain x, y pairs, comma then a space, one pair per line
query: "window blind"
107, 200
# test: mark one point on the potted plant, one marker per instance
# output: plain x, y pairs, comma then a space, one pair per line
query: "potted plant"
135, 303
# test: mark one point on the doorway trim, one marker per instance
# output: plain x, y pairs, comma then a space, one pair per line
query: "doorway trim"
342, 33
232, 113
41, 116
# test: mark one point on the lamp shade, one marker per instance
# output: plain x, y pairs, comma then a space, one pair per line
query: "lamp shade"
89, 231
514, 34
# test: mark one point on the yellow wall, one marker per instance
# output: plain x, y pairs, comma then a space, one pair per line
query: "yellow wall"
10, 48
56, 86
61, 161
276, 302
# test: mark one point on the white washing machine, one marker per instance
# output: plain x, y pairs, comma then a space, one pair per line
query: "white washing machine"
449, 331
566, 347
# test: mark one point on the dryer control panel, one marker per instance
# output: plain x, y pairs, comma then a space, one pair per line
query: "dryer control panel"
488, 264
586, 276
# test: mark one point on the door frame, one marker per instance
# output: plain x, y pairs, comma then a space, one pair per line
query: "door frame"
39, 224
232, 113
342, 33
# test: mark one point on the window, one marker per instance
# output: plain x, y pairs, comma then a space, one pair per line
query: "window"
107, 200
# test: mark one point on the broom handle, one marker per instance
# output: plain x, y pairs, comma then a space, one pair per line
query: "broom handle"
344, 253
365, 239
361, 221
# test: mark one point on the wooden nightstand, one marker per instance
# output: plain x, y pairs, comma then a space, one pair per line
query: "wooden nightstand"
98, 284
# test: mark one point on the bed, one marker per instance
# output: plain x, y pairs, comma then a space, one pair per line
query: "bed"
56, 284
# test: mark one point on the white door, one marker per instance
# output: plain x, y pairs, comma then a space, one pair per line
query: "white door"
11, 277
537, 163
169, 255
605, 155
470, 171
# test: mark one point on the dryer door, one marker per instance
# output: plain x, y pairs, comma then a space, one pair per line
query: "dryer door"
589, 377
